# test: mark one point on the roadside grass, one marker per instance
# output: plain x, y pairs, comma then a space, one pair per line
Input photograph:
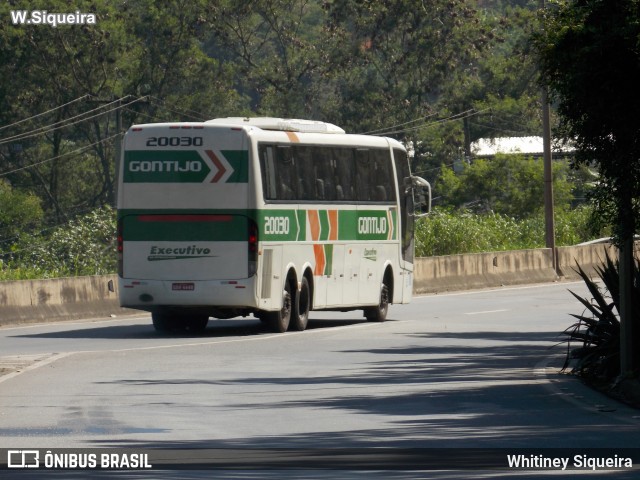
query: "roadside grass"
444, 232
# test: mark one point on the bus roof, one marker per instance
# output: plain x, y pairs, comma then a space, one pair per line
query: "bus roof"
280, 124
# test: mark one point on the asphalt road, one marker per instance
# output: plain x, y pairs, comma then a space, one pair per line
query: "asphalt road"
457, 371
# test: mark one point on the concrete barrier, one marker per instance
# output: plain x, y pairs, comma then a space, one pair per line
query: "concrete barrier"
30, 301
480, 270
587, 256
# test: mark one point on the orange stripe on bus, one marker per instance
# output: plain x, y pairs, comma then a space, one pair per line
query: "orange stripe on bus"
314, 224
333, 224
318, 252
292, 137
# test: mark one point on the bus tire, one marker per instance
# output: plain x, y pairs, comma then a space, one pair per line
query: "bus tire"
166, 323
196, 323
163, 323
302, 304
279, 321
379, 312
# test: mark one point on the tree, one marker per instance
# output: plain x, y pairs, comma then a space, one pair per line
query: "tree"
590, 63
147, 53
404, 59
55, 66
277, 50
506, 184
19, 212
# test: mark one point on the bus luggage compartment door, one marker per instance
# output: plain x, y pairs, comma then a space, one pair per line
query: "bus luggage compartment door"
185, 246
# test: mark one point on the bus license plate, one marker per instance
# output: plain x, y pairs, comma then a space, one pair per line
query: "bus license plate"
183, 287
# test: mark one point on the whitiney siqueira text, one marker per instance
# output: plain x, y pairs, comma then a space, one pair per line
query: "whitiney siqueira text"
582, 462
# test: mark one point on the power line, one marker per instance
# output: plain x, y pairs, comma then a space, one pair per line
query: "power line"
79, 150
373, 132
49, 127
45, 113
456, 116
163, 104
63, 123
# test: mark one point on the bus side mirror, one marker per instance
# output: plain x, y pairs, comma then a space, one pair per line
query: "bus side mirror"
421, 195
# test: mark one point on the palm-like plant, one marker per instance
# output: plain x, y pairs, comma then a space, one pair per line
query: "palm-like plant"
597, 359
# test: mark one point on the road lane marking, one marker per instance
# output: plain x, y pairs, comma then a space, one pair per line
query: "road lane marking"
48, 358
487, 311
36, 361
494, 289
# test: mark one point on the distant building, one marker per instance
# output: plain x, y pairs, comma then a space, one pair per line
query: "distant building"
530, 146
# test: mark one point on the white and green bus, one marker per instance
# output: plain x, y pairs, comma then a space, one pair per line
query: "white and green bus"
263, 216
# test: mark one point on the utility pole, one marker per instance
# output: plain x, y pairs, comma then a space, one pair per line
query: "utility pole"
549, 222
117, 153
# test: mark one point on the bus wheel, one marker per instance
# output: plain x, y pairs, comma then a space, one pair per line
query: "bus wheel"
196, 323
379, 313
302, 303
279, 321
163, 323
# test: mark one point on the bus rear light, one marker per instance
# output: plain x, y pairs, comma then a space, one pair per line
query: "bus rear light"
252, 246
120, 249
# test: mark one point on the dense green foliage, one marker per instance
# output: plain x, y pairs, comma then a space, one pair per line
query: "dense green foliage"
435, 74
509, 184
591, 64
84, 246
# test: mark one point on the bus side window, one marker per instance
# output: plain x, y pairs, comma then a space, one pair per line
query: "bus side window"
305, 177
285, 174
405, 189
382, 176
325, 173
363, 176
269, 176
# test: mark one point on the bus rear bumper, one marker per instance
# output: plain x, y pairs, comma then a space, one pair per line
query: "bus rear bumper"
150, 295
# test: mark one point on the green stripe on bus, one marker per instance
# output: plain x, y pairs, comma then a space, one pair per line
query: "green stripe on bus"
239, 161
301, 215
328, 255
164, 166
282, 225
185, 166
185, 228
324, 225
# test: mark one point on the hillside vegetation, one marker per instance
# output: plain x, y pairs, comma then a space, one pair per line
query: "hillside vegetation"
434, 74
